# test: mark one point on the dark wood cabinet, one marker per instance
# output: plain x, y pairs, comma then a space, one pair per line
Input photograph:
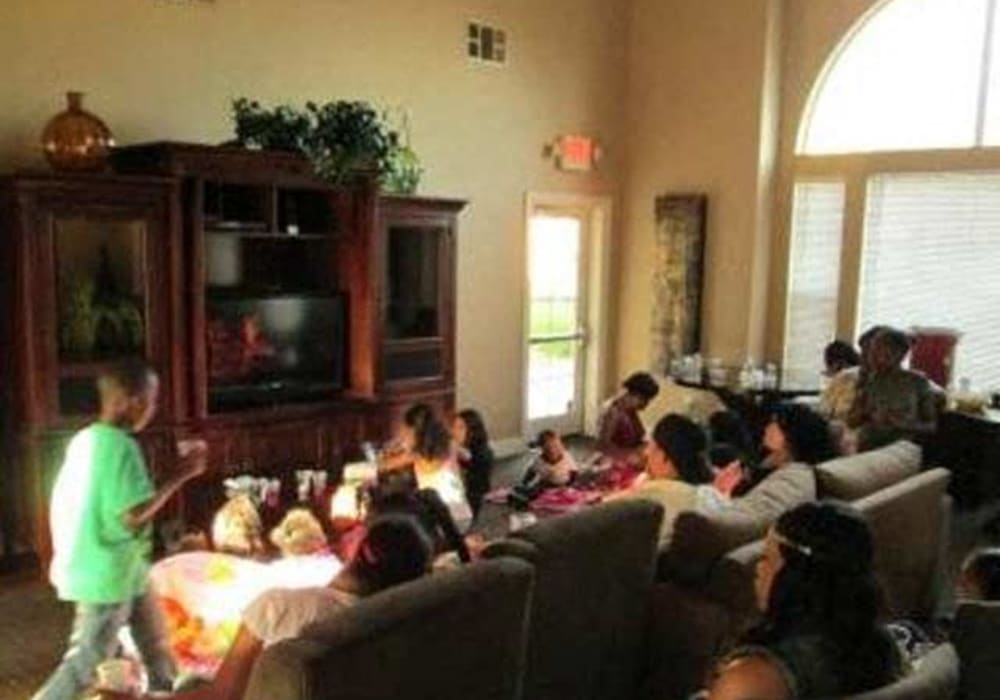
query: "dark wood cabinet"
417, 250
289, 320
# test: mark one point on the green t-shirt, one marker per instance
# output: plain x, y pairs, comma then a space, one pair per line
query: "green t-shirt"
97, 558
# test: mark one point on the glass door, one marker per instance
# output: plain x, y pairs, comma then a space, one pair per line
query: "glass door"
556, 313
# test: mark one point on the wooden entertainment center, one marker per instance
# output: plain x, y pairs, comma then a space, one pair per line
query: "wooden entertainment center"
289, 320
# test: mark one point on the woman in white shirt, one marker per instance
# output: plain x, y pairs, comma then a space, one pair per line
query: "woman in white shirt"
677, 473
426, 444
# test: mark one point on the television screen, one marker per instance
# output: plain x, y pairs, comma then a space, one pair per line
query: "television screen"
259, 348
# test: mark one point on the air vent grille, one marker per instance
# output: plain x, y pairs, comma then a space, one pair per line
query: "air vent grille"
486, 43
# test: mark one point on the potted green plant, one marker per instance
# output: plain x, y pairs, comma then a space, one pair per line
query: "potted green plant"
282, 128
341, 138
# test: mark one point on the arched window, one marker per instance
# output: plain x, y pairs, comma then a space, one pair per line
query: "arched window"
915, 74
895, 203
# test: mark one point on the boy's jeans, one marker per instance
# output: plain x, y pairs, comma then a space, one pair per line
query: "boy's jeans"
95, 638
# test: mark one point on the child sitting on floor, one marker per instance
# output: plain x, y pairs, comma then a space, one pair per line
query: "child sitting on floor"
554, 467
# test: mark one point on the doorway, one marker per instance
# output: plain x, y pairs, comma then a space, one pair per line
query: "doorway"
565, 312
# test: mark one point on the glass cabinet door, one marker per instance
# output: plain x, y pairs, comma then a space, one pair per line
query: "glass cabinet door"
100, 274
416, 301
413, 289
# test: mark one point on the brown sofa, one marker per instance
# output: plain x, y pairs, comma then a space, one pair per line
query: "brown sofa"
450, 636
700, 608
590, 609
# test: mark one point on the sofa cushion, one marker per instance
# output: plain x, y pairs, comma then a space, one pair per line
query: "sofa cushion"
856, 476
909, 522
975, 637
452, 635
590, 607
688, 632
701, 538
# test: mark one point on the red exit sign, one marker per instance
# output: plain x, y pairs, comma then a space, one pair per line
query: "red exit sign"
575, 152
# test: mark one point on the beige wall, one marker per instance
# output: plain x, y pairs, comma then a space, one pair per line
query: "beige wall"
702, 118
716, 91
166, 69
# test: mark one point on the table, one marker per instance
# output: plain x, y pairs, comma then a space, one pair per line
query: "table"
792, 384
968, 444
755, 405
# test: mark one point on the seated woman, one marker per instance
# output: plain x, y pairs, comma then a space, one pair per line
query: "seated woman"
426, 444
841, 368
620, 432
820, 602
395, 550
891, 402
838, 356
795, 434
475, 456
397, 492
677, 475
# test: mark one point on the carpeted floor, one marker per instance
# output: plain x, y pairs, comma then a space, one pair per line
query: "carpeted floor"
34, 625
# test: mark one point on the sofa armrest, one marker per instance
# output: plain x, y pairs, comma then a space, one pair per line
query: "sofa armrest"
284, 671
699, 541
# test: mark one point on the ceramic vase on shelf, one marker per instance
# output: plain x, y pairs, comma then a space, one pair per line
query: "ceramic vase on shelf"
75, 139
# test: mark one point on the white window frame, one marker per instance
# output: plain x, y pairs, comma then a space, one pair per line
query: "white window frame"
855, 169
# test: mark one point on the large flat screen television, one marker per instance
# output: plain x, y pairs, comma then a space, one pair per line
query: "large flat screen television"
274, 349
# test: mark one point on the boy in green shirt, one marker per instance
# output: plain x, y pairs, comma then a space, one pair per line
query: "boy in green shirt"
103, 505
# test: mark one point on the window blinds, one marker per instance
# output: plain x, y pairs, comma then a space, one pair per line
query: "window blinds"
931, 257
814, 273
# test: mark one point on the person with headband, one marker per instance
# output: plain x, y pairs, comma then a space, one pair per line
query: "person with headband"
816, 588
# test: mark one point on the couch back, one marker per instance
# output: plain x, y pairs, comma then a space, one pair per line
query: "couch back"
590, 609
856, 476
700, 539
452, 635
910, 525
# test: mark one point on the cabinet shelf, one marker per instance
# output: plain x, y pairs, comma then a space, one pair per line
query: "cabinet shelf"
83, 369
240, 293
270, 235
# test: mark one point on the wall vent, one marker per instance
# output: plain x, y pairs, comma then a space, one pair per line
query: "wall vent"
486, 43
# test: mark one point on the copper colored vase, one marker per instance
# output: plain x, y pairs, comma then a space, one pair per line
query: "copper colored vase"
76, 139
